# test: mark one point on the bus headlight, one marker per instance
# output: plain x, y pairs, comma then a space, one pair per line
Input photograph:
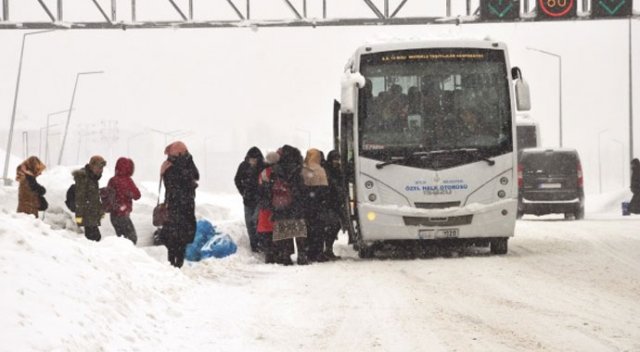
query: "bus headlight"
501, 194
371, 216
372, 197
504, 181
369, 184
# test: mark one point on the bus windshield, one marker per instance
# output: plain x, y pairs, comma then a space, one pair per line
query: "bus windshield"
434, 100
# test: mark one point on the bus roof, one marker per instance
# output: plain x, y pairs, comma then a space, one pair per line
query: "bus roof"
422, 44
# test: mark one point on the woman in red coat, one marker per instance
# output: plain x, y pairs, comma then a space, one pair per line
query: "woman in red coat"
125, 192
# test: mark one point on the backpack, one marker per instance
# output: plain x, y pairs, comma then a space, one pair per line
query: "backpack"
70, 199
108, 199
281, 194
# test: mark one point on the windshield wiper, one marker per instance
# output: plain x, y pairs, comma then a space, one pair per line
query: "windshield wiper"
391, 161
435, 152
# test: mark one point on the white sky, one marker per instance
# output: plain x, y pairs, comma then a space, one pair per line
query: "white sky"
234, 88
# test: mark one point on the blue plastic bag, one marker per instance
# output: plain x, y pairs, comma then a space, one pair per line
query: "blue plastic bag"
219, 246
204, 232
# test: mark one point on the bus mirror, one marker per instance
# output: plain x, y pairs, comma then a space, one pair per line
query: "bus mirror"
349, 87
523, 99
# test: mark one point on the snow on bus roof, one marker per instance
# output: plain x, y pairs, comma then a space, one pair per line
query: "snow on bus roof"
389, 44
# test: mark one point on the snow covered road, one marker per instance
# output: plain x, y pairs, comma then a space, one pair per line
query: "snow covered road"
564, 286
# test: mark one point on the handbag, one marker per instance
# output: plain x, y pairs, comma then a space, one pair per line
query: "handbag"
289, 228
160, 212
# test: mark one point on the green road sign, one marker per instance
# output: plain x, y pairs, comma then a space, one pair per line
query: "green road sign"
556, 9
499, 10
611, 8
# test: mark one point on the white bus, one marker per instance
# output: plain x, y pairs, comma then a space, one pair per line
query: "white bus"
426, 134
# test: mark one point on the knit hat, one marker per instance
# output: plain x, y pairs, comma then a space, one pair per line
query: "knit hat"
272, 158
97, 161
175, 149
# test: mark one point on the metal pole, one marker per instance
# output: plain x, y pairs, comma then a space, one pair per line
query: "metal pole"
560, 98
73, 96
448, 8
113, 10
559, 89
46, 144
5, 10
59, 10
133, 10
631, 153
5, 173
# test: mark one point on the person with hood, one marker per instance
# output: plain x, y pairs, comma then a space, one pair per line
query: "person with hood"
634, 204
317, 211
335, 202
264, 228
125, 191
180, 176
89, 210
288, 171
30, 192
246, 181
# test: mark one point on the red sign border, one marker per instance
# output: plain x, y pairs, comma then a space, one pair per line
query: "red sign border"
559, 14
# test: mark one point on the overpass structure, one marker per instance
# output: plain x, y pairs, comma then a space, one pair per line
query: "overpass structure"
129, 14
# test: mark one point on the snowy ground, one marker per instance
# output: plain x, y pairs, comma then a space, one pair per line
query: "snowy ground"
564, 286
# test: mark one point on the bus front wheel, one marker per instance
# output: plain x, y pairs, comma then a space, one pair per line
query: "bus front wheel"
365, 251
499, 245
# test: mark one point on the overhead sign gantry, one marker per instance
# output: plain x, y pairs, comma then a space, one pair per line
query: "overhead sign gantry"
106, 14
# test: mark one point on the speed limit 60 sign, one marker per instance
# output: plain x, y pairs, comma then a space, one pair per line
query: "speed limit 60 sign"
556, 9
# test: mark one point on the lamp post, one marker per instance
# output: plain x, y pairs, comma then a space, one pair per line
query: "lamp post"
73, 96
600, 162
46, 143
559, 88
7, 181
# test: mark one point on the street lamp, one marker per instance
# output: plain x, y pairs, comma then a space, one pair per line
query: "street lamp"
73, 96
7, 181
46, 143
600, 162
559, 88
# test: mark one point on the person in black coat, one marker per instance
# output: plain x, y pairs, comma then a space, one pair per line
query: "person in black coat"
335, 202
634, 204
180, 176
246, 181
289, 170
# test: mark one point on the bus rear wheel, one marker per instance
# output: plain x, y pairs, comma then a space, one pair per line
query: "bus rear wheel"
499, 245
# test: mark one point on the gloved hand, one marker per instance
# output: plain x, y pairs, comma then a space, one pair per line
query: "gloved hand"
79, 220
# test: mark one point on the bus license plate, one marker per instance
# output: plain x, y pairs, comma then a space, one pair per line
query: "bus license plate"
550, 185
447, 233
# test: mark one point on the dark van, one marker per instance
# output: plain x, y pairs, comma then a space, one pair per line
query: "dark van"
550, 181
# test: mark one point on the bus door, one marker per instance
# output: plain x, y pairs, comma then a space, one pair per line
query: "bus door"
343, 142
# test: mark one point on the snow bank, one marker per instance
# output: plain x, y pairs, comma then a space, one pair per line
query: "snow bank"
61, 291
